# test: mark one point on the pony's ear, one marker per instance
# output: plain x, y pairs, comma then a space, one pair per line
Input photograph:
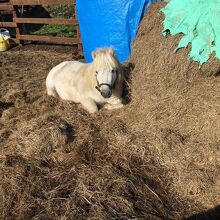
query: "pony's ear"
111, 51
93, 55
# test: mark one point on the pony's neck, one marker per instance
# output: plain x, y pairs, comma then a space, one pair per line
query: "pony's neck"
92, 76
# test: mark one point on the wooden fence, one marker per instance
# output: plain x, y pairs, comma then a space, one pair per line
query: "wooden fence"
13, 6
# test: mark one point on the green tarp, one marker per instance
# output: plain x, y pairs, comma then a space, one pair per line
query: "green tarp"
199, 21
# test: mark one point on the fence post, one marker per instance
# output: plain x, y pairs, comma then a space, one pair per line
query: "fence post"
17, 28
79, 45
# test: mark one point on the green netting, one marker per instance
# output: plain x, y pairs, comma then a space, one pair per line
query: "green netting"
199, 21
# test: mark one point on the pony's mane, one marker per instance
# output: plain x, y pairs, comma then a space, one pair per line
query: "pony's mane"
106, 59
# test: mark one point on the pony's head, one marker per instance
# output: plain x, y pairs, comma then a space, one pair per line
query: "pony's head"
106, 68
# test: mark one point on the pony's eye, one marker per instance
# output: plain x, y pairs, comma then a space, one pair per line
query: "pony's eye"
96, 72
113, 71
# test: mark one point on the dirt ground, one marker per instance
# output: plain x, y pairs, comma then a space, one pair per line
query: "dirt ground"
157, 158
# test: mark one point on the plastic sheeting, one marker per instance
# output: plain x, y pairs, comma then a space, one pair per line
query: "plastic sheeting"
105, 23
199, 21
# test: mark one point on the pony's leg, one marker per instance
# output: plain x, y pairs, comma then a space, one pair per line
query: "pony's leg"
115, 106
89, 105
52, 92
114, 103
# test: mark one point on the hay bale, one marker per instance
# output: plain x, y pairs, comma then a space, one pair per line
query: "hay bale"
178, 111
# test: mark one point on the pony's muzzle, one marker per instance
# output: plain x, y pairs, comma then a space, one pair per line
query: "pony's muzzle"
106, 93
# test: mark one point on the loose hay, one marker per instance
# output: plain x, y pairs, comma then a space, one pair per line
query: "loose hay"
156, 159
178, 111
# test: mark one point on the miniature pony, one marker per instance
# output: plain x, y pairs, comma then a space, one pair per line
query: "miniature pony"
99, 83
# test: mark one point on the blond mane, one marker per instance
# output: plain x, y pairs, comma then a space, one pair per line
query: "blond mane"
105, 59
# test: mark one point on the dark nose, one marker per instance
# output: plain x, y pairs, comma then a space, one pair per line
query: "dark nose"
106, 93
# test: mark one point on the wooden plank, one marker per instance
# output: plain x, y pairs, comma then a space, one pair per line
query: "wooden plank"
41, 2
8, 24
45, 21
17, 29
78, 31
6, 7
65, 40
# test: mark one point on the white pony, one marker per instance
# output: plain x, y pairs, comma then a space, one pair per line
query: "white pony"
94, 84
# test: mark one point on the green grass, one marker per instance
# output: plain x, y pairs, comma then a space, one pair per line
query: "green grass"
56, 30
60, 11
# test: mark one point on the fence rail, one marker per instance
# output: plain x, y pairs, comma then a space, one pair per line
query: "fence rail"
6, 7
63, 40
45, 21
12, 6
8, 24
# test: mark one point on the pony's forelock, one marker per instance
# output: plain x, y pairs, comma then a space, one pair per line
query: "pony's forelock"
105, 59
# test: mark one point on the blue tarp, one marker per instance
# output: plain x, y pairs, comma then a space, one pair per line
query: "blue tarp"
109, 23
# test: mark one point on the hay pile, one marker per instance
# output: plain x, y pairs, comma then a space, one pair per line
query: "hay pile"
158, 158
178, 112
